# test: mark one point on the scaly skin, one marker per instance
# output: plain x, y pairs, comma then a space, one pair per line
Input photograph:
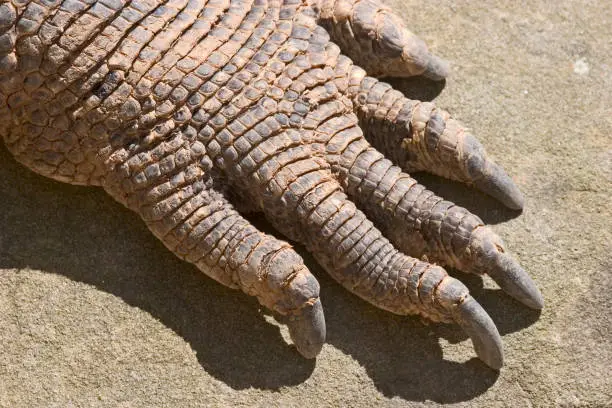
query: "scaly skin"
174, 107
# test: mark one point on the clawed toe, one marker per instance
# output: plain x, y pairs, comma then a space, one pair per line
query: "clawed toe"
481, 329
420, 137
376, 38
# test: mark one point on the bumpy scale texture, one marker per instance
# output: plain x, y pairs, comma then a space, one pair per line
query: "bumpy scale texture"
191, 112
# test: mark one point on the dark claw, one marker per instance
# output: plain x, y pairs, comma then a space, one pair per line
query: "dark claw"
495, 182
437, 69
491, 257
481, 329
513, 279
307, 330
490, 178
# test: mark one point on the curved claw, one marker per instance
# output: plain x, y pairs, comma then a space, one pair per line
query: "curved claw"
478, 325
307, 329
492, 258
491, 179
513, 280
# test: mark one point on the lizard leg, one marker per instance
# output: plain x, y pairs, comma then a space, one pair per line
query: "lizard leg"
417, 221
170, 188
420, 137
303, 200
375, 38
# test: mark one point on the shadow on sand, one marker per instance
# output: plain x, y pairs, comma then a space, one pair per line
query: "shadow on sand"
81, 233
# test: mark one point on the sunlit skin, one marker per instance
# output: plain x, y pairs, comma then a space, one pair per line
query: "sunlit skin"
185, 111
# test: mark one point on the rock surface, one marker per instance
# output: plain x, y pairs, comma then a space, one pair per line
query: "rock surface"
95, 312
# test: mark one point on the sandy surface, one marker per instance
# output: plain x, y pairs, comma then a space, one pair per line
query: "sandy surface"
95, 312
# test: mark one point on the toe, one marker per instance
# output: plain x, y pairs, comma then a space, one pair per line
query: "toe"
425, 138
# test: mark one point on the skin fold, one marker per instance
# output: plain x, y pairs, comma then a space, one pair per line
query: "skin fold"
177, 108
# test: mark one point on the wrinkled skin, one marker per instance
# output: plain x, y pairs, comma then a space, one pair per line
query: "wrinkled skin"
193, 112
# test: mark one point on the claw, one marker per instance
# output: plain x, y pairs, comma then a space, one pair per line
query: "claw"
436, 69
503, 269
490, 178
513, 279
478, 325
307, 330
467, 313
493, 180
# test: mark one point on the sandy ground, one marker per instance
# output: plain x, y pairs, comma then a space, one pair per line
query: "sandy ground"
95, 312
